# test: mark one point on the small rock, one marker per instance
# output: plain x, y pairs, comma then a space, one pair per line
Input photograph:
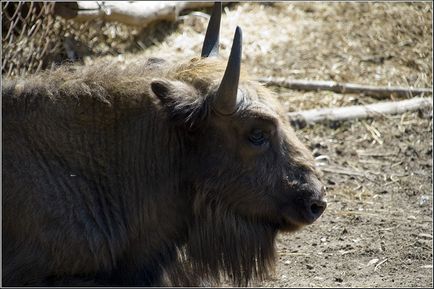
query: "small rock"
411, 218
308, 266
339, 279
423, 200
323, 239
287, 262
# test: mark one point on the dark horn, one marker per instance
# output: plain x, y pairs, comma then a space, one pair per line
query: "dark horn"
211, 42
226, 99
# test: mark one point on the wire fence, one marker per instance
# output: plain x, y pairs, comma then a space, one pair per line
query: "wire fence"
35, 37
29, 37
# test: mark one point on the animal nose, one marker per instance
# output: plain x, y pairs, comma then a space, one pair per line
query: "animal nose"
316, 209
314, 202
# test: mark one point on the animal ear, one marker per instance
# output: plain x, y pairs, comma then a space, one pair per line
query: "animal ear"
163, 89
180, 101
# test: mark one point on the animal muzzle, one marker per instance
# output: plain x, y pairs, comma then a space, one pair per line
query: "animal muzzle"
305, 203
314, 209
314, 201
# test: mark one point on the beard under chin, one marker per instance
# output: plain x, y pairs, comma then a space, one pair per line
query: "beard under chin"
225, 245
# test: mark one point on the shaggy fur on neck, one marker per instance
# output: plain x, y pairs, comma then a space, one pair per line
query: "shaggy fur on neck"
222, 244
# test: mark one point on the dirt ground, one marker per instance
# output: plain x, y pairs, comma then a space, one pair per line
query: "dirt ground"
377, 229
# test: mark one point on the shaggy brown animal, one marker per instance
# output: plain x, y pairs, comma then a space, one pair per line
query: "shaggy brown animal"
143, 175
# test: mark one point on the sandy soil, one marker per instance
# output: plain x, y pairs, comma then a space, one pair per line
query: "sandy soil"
377, 229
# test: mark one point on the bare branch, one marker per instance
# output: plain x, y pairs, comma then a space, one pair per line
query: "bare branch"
301, 118
137, 13
378, 91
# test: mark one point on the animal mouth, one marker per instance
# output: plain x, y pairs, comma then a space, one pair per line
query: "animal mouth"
288, 225
291, 221
301, 212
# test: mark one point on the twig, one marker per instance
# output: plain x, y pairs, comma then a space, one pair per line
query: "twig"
379, 264
341, 171
374, 133
138, 13
375, 153
361, 213
301, 118
378, 91
343, 252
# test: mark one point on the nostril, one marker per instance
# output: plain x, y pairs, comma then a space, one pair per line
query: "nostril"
317, 208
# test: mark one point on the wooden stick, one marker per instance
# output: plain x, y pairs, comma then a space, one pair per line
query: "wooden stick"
378, 91
137, 13
301, 118
379, 264
341, 170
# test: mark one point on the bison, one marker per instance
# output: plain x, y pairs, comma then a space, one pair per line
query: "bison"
149, 175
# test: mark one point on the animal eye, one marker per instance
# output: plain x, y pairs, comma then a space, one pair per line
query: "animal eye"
257, 137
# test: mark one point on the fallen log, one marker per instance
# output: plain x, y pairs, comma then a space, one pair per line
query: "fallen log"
376, 91
302, 118
136, 13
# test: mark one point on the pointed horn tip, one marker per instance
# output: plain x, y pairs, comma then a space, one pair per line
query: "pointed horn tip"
211, 42
238, 33
238, 39
227, 94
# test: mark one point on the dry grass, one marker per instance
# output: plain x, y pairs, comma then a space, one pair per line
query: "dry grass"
371, 43
368, 43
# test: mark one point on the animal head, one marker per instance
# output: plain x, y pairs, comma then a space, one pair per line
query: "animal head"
248, 153
251, 174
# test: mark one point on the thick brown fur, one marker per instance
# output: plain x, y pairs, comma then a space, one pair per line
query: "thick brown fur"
120, 176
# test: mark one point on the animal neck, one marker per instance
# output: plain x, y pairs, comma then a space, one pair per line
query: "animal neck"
242, 250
